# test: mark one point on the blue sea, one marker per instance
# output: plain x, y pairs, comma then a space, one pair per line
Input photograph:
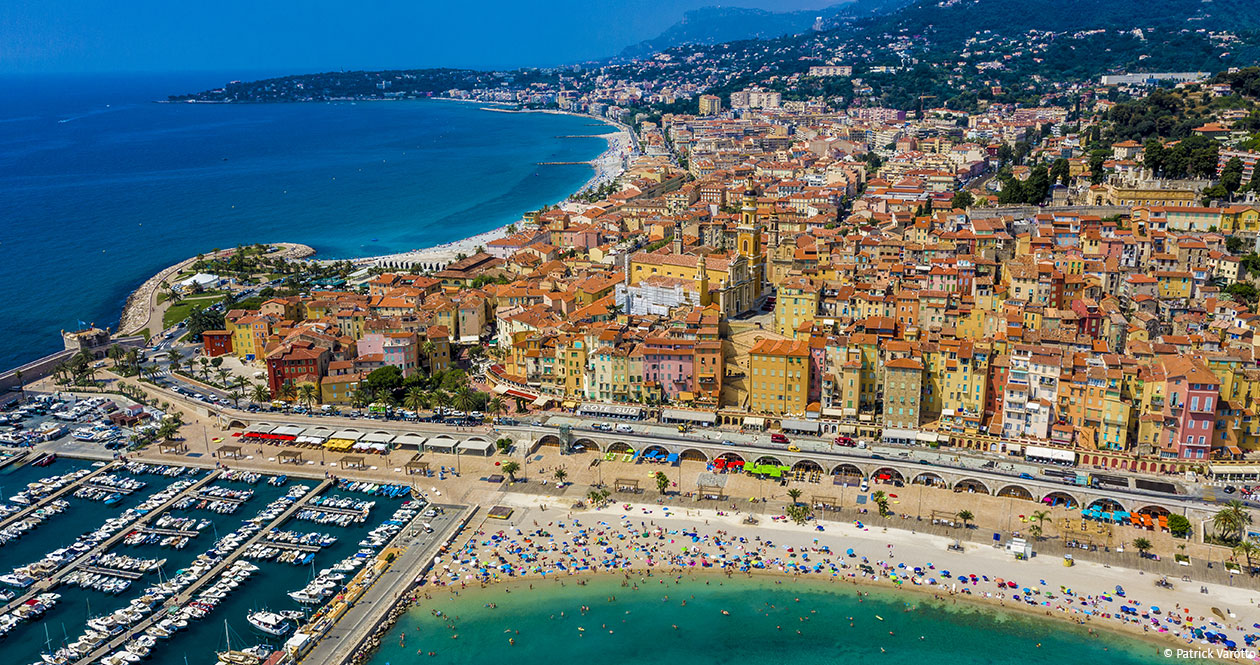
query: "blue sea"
100, 187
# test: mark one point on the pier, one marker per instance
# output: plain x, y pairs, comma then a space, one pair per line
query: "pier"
113, 572
566, 163
168, 532
354, 512
338, 639
70, 487
13, 459
222, 499
190, 591
54, 580
301, 547
125, 491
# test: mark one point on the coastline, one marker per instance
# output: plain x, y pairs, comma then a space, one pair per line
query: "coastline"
140, 305
452, 570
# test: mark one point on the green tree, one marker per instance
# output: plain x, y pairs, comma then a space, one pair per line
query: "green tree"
415, 399
795, 495
1154, 155
1231, 175
510, 468
1243, 292
1060, 171
966, 517
1248, 549
1231, 520
307, 394
260, 393
288, 391
1178, 525
1143, 546
962, 199
662, 481
560, 475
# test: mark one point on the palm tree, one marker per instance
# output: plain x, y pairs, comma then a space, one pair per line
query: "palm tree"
205, 368
361, 397
966, 517
223, 376
510, 468
235, 394
662, 481
428, 348
795, 495
495, 406
442, 398
260, 393
168, 429
175, 357
307, 394
1142, 545
414, 399
560, 475
465, 399
1248, 549
1231, 520
288, 391
133, 360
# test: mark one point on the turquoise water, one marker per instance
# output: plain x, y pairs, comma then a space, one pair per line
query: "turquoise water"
653, 624
102, 188
197, 644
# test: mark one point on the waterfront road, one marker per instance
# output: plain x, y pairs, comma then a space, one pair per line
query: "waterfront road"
340, 641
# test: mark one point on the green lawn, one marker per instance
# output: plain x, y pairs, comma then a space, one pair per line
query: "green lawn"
178, 312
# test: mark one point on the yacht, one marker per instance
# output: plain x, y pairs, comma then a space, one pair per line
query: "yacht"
269, 622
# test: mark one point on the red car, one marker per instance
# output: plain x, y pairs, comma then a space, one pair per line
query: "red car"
778, 438
845, 441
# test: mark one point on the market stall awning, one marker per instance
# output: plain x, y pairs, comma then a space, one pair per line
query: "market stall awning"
477, 445
378, 437
410, 439
799, 425
754, 421
441, 442
290, 430
683, 415
351, 434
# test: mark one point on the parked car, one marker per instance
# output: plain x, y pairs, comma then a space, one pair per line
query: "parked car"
845, 441
778, 438
625, 428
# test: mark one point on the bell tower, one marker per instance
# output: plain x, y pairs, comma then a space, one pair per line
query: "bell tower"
749, 233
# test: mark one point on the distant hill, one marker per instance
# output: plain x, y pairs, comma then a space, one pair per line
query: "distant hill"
716, 25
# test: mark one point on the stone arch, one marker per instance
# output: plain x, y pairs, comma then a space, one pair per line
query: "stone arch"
807, 466
929, 479
1106, 505
587, 444
1056, 499
549, 440
618, 447
887, 474
655, 449
768, 459
236, 424
693, 455
729, 457
972, 485
1154, 510
1016, 492
849, 471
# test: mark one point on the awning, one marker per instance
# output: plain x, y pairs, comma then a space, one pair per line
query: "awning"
378, 437
759, 423
260, 428
441, 442
846, 429
798, 425
689, 416
898, 433
1239, 470
610, 410
411, 439
542, 401
927, 437
477, 445
307, 438
1052, 454
291, 430
351, 434
833, 412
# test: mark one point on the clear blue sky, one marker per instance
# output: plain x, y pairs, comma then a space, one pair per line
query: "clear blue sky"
45, 36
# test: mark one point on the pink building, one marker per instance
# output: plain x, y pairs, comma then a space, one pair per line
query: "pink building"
1191, 393
670, 363
399, 349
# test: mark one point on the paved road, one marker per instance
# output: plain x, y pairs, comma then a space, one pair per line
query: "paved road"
340, 642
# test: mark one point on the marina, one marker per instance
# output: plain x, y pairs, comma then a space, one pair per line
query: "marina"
185, 559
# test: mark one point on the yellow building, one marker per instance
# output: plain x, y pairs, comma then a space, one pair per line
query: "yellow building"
1174, 283
796, 304
571, 365
778, 380
249, 335
1241, 219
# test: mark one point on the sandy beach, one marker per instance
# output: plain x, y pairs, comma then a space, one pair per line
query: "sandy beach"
542, 541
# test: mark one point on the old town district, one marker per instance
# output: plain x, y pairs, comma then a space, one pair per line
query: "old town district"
755, 274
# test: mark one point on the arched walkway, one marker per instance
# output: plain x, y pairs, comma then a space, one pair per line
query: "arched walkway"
1060, 500
236, 424
618, 447
887, 475
848, 471
1105, 505
1016, 492
549, 440
693, 455
729, 457
929, 479
587, 444
1153, 510
807, 466
655, 450
767, 459
972, 485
